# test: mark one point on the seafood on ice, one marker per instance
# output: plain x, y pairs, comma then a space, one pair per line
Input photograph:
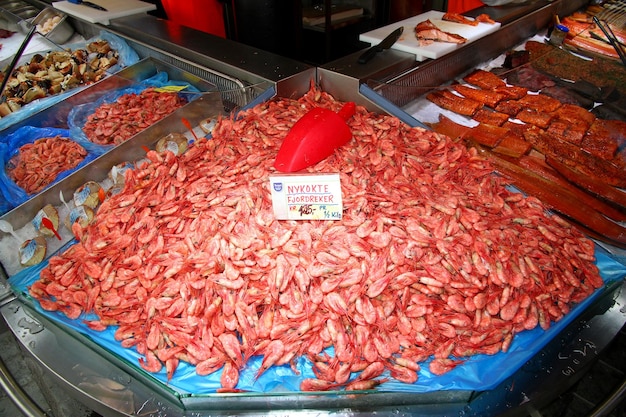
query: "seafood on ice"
189, 263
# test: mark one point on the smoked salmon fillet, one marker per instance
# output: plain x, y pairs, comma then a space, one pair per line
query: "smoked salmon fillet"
426, 33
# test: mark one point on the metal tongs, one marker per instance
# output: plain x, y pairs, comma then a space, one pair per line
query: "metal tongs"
615, 43
9, 69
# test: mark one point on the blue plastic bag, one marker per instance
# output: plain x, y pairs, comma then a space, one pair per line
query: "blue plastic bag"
127, 57
78, 116
13, 194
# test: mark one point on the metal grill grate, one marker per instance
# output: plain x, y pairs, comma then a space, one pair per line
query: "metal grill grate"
234, 92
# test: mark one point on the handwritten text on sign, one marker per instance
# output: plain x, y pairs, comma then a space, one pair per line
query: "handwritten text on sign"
306, 196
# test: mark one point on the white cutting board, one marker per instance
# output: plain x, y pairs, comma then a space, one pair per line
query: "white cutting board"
115, 9
408, 42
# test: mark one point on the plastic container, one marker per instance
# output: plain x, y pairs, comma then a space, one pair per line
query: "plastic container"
61, 31
558, 35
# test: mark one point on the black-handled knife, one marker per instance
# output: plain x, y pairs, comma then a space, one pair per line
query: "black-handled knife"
89, 4
384, 44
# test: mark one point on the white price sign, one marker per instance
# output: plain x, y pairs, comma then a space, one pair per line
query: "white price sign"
306, 196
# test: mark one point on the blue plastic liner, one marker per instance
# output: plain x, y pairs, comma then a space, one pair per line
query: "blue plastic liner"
477, 373
13, 194
127, 57
77, 117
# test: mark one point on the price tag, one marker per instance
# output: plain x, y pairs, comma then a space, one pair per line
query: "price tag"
306, 196
170, 88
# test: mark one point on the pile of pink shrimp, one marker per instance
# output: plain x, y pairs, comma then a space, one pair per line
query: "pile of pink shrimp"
434, 257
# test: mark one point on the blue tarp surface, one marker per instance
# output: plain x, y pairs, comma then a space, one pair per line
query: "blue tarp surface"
477, 373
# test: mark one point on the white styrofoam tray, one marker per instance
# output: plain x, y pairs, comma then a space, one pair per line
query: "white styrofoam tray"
408, 42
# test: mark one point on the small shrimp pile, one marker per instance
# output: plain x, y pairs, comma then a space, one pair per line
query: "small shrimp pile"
434, 257
116, 122
37, 164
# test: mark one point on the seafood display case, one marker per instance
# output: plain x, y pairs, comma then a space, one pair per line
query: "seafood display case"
228, 80
521, 25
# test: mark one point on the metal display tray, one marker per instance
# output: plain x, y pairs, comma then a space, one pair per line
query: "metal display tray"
209, 104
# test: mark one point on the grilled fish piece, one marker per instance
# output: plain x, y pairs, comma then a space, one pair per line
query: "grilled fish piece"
491, 117
450, 101
426, 32
459, 18
484, 79
489, 98
573, 156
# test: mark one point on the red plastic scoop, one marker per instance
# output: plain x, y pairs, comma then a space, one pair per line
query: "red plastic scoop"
314, 137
